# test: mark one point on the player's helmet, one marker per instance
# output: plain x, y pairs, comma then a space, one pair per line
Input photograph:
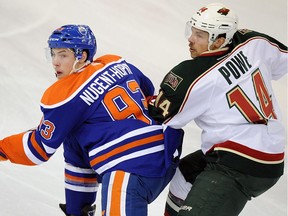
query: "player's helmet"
76, 37
216, 19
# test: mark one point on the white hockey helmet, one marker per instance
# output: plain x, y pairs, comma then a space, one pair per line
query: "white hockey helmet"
216, 19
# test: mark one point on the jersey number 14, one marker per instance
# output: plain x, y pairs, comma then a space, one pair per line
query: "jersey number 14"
237, 97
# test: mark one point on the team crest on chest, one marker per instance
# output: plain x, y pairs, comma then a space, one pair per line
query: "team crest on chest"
172, 80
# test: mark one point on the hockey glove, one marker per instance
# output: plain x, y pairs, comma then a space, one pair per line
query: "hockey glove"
192, 165
151, 100
85, 211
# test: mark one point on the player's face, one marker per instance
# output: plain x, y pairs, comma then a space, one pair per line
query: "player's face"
62, 61
198, 42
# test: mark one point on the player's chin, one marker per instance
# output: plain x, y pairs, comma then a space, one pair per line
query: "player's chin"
193, 54
58, 75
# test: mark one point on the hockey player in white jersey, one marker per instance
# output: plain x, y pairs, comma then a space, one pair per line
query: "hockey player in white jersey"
226, 89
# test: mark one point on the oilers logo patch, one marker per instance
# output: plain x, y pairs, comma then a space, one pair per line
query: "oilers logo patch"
82, 30
172, 80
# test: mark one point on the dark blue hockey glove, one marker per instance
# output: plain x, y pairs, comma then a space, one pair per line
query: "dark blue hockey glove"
85, 211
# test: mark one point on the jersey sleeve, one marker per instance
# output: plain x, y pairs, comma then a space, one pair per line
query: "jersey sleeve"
279, 64
178, 101
37, 146
13, 148
81, 187
33, 147
277, 49
169, 98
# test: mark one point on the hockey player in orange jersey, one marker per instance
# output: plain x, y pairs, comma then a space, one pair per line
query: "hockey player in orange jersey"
98, 110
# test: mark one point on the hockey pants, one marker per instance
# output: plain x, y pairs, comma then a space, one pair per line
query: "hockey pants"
220, 191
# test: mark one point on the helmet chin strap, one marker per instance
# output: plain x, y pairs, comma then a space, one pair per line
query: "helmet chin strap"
212, 41
210, 44
74, 69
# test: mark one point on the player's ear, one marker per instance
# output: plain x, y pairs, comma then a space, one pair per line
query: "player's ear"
218, 42
84, 57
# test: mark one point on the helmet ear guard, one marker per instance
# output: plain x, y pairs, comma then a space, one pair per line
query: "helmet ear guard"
77, 37
217, 20
78, 53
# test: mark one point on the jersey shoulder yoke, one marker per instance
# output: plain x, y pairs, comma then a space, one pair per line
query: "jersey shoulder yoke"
64, 89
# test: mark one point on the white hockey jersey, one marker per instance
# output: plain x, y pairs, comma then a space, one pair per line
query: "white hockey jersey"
229, 95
